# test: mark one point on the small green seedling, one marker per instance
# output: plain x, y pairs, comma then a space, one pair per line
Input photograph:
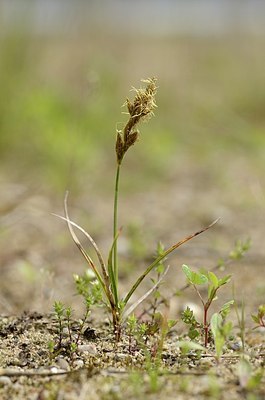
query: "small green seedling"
185, 347
59, 310
220, 328
259, 318
107, 273
188, 317
241, 247
66, 342
248, 379
241, 319
195, 279
132, 325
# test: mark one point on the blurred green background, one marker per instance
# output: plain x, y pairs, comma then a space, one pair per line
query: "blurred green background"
61, 96
61, 100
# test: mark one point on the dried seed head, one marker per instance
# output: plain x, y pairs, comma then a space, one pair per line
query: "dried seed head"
119, 147
140, 109
144, 101
131, 140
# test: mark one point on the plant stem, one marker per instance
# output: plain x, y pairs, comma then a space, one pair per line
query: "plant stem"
205, 325
115, 226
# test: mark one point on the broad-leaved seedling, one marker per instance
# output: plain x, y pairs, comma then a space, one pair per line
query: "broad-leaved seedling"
196, 279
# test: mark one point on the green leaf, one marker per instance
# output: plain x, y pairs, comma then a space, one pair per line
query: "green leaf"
225, 310
160, 249
213, 278
193, 333
227, 328
244, 372
261, 310
216, 322
186, 346
199, 279
255, 318
187, 271
171, 323
224, 280
195, 278
219, 338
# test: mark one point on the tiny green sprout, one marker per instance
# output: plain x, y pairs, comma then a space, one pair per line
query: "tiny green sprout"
259, 318
220, 329
143, 327
186, 346
248, 379
68, 315
226, 308
240, 249
73, 347
64, 318
153, 377
89, 288
59, 309
137, 332
187, 316
131, 322
214, 284
68, 312
51, 348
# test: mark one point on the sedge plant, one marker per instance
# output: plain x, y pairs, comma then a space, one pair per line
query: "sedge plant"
140, 109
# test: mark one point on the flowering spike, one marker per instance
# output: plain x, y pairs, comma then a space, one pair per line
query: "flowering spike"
140, 109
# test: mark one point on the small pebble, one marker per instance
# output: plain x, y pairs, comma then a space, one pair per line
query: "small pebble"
5, 381
234, 346
120, 356
206, 362
87, 348
63, 364
78, 363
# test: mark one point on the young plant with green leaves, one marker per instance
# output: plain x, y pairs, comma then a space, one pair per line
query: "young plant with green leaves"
66, 341
107, 273
221, 328
259, 318
196, 279
188, 317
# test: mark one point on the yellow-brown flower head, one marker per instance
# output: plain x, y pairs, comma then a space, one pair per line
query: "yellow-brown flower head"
139, 110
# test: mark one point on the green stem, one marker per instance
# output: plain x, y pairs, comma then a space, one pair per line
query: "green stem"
115, 227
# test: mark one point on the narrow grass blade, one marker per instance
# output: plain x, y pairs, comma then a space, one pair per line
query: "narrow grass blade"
81, 248
141, 299
91, 240
104, 279
162, 256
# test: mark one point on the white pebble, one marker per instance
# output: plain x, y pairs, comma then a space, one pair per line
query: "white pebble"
4, 380
87, 348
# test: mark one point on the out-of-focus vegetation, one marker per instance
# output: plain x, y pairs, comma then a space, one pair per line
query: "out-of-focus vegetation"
60, 101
